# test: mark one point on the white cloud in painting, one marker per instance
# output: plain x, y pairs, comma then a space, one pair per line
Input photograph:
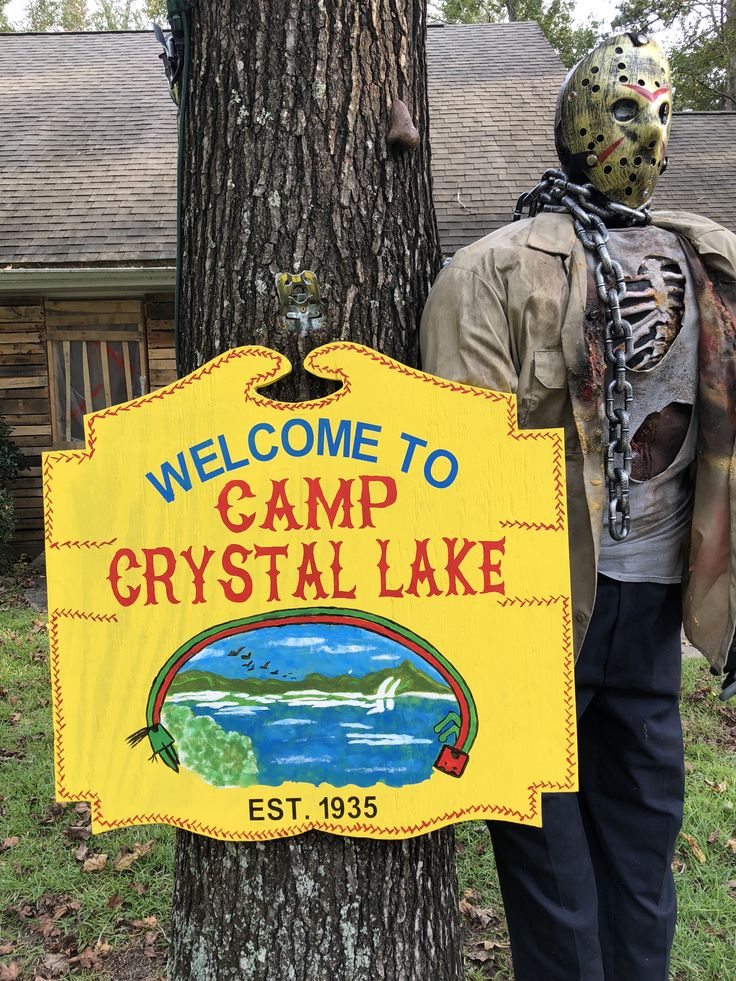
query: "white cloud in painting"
297, 642
385, 657
346, 649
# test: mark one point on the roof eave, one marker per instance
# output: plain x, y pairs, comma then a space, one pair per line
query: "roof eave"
86, 280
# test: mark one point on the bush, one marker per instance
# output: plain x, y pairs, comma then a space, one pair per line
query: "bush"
223, 759
11, 461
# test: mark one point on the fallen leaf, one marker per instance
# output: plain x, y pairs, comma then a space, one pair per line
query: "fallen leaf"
731, 844
82, 808
95, 863
138, 887
678, 865
147, 923
56, 965
77, 832
459, 847
14, 719
483, 951
713, 837
9, 972
52, 813
88, 959
45, 926
9, 843
717, 786
6, 949
478, 917
114, 901
81, 853
695, 848
126, 856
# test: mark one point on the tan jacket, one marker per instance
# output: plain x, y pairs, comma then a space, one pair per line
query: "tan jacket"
509, 314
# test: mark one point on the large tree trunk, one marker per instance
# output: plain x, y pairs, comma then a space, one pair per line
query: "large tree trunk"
287, 168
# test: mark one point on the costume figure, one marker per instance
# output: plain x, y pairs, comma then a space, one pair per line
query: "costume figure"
617, 326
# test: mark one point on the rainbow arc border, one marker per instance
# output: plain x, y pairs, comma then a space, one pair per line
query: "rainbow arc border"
472, 812
321, 615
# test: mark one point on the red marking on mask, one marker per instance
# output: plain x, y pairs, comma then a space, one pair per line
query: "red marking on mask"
605, 154
649, 96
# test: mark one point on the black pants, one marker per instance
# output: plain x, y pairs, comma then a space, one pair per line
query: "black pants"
590, 895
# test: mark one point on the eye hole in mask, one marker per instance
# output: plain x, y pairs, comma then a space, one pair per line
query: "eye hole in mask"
664, 112
625, 109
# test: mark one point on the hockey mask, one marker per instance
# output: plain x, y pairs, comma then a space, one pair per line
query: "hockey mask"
613, 118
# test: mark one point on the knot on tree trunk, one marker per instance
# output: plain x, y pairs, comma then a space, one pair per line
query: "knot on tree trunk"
402, 133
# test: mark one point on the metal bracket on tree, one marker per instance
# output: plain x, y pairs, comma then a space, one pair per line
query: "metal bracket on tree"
300, 300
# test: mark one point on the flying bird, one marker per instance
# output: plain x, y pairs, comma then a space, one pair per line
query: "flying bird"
265, 665
235, 653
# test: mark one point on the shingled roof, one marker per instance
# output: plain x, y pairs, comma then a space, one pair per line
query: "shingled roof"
702, 166
492, 93
88, 143
87, 150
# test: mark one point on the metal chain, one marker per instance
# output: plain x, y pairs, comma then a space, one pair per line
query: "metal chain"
590, 212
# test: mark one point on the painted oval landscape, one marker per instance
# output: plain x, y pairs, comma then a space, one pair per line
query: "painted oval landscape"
309, 702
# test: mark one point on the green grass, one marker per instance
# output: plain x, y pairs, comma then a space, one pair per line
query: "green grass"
41, 873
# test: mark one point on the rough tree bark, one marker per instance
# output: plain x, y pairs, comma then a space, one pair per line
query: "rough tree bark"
287, 168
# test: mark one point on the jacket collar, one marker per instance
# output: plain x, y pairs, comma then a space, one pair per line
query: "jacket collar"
552, 232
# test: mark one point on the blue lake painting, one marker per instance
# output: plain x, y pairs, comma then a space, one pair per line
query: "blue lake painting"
315, 703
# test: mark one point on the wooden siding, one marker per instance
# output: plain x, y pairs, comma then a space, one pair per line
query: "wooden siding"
25, 406
27, 330
159, 316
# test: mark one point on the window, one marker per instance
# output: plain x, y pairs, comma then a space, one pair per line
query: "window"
97, 358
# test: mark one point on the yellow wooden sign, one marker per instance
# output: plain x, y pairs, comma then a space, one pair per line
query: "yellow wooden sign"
350, 614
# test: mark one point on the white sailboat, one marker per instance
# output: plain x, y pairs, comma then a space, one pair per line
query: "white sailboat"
385, 695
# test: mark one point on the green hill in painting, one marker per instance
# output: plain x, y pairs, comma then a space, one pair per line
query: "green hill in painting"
410, 679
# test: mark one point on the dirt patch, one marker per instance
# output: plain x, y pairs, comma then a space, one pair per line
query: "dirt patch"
135, 963
726, 712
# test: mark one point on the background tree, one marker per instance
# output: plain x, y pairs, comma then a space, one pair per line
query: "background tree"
288, 167
555, 17
81, 15
702, 50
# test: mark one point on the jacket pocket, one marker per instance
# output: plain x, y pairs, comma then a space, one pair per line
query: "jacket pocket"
547, 398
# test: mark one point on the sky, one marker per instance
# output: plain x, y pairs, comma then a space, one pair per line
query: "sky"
583, 9
329, 649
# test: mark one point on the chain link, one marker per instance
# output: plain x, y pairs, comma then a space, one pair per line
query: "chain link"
556, 193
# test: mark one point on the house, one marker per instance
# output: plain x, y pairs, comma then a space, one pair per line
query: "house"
88, 205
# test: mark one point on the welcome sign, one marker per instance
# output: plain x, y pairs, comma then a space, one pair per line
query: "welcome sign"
350, 614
